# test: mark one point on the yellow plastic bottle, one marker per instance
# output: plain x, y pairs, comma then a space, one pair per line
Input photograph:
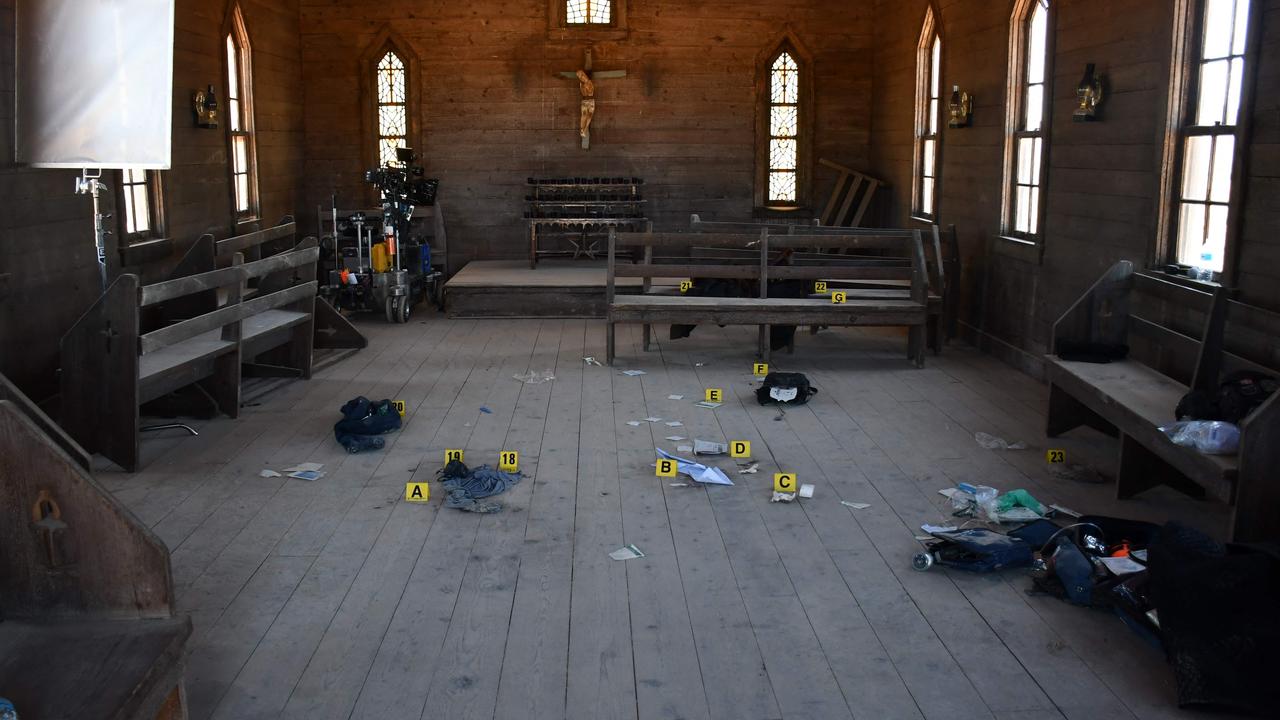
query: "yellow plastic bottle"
381, 261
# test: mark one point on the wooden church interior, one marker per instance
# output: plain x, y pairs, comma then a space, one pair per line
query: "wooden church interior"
1003, 240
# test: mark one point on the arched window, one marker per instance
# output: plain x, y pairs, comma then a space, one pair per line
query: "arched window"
928, 120
588, 12
242, 145
784, 130
1026, 148
1215, 41
393, 107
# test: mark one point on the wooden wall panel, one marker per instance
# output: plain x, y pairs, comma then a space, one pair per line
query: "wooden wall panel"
48, 269
1104, 178
494, 113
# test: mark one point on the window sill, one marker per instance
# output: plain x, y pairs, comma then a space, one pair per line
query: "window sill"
1027, 251
1190, 282
924, 219
146, 251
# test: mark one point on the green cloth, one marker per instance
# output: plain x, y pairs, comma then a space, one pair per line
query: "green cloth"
1019, 498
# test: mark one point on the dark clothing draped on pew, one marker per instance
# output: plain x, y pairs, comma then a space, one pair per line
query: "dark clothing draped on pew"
780, 336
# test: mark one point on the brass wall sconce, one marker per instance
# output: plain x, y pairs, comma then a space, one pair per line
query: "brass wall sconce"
1091, 94
205, 105
961, 108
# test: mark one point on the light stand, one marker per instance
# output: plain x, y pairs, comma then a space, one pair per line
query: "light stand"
91, 184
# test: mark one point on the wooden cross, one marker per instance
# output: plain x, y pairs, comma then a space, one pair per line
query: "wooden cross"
587, 78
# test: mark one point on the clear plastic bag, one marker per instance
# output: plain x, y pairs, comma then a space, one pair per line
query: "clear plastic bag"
1211, 437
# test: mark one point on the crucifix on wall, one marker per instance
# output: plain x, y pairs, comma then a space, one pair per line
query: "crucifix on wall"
587, 78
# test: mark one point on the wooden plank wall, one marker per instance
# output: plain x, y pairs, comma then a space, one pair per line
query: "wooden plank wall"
494, 113
1104, 177
48, 269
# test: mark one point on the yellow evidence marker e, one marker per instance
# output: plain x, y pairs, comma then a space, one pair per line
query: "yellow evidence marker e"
1056, 457
451, 455
509, 461
740, 449
666, 468
839, 297
417, 492
785, 483
715, 395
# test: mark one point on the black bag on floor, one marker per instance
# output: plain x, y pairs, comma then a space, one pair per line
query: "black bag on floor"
785, 389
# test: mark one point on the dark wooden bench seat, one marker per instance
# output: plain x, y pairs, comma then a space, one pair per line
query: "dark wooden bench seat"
664, 309
1177, 337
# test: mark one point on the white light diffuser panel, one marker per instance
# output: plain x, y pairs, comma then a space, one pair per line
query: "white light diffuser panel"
95, 83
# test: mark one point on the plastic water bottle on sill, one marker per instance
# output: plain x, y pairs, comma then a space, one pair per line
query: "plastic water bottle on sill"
1203, 272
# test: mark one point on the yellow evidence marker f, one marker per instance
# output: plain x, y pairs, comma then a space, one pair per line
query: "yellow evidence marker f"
417, 492
740, 449
451, 455
509, 461
760, 369
715, 395
666, 468
785, 483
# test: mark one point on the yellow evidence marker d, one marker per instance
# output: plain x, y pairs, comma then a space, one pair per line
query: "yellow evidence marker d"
509, 461
417, 492
740, 449
666, 468
820, 288
685, 286
715, 395
399, 406
839, 298
760, 369
785, 483
1056, 457
451, 455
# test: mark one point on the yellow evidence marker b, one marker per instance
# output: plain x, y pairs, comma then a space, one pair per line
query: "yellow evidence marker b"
839, 298
666, 468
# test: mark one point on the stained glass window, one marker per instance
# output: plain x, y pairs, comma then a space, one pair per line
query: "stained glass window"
393, 107
928, 119
240, 119
784, 129
588, 12
1209, 140
1030, 126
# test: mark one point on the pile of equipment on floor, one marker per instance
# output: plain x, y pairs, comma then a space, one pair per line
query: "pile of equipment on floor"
1209, 606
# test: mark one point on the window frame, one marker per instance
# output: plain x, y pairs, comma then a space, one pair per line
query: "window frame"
1187, 58
558, 27
388, 41
1015, 128
156, 230
928, 68
378, 137
236, 30
787, 43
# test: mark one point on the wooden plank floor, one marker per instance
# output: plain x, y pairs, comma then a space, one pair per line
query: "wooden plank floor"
336, 599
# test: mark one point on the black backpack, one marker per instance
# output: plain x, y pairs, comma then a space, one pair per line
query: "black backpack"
778, 385
1237, 397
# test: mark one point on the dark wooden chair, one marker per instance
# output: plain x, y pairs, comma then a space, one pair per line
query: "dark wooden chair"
86, 593
1177, 336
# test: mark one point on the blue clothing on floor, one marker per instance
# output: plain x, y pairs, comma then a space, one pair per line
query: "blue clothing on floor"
465, 486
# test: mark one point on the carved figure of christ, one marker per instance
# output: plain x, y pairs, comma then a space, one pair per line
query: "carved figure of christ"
587, 86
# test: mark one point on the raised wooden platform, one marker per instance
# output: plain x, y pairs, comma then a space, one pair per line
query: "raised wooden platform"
509, 289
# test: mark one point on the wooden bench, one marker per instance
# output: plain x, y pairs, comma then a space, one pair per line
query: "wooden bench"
86, 592
110, 367
1177, 337
867, 307
942, 260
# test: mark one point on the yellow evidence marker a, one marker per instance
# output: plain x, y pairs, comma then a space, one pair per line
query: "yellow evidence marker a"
417, 492
399, 406
1056, 457
666, 468
685, 286
840, 297
509, 461
715, 395
740, 449
760, 369
820, 288
451, 455
785, 483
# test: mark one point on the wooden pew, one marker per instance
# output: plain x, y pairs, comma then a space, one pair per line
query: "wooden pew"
86, 592
873, 307
110, 367
1178, 336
